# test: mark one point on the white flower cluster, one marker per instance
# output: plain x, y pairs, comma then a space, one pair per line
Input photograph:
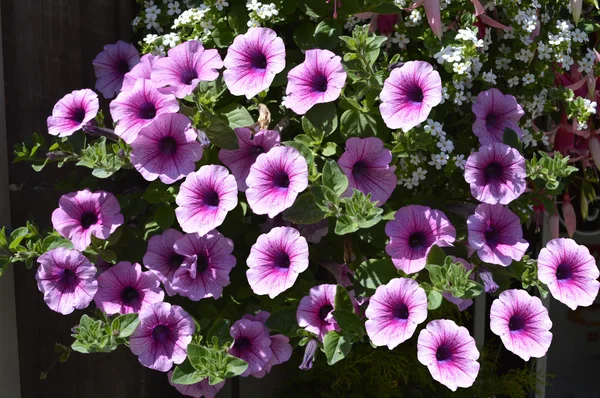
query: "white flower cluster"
587, 63
191, 16
260, 12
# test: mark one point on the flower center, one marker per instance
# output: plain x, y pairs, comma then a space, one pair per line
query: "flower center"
175, 260
443, 353
201, 263
401, 311
281, 180
188, 75
242, 343
415, 94
68, 277
563, 272
319, 83
123, 67
79, 115
491, 119
256, 150
160, 333
417, 240
516, 322
258, 60
168, 145
493, 171
324, 311
491, 236
88, 219
211, 198
147, 110
129, 295
360, 168
282, 260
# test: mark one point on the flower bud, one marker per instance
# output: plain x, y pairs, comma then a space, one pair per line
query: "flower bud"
594, 146
569, 215
309, 355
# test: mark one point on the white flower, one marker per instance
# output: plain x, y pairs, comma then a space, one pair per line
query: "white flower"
152, 13
469, 35
171, 39
400, 39
461, 68
252, 23
545, 18
445, 145
544, 51
590, 106
509, 34
459, 97
253, 5
502, 63
136, 21
419, 175
504, 49
415, 159
207, 25
434, 128
579, 36
409, 183
528, 79
400, 3
449, 54
489, 77
351, 22
174, 8
148, 3
525, 55
438, 160
220, 4
415, 17
459, 161
149, 39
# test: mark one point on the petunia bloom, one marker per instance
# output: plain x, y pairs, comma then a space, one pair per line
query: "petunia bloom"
251, 145
162, 337
495, 233
67, 280
111, 65
570, 272
319, 79
125, 289
207, 263
188, 64
394, 312
140, 71
252, 343
84, 213
413, 231
252, 61
197, 390
276, 260
496, 174
522, 322
315, 311
449, 352
205, 198
366, 163
167, 149
275, 180
162, 259
409, 94
72, 112
494, 113
135, 109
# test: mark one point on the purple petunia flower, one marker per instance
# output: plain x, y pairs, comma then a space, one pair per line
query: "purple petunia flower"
84, 213
409, 94
489, 284
111, 65
167, 149
161, 258
570, 272
496, 233
315, 311
207, 263
197, 390
251, 145
366, 163
413, 231
276, 260
205, 198
394, 312
449, 352
135, 109
125, 289
252, 343
496, 174
522, 322
187, 65
275, 180
140, 71
494, 113
319, 79
67, 279
72, 112
162, 337
252, 61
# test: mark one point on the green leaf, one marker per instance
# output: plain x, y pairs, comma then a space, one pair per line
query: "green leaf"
355, 123
3, 241
283, 320
126, 324
220, 330
333, 177
434, 300
336, 347
196, 353
322, 117
235, 366
327, 33
305, 151
186, 374
304, 36
345, 225
17, 236
218, 132
304, 210
435, 274
436, 255
342, 299
511, 139
237, 115
373, 273
349, 322
222, 35
165, 216
329, 149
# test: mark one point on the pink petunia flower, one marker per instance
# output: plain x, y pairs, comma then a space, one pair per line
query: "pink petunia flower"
494, 113
366, 163
205, 198
522, 322
125, 289
570, 272
315, 311
167, 149
135, 109
449, 352
276, 260
251, 145
67, 279
413, 231
207, 263
319, 79
275, 180
495, 233
84, 213
394, 312
252, 61
252, 343
496, 174
197, 390
162, 337
72, 112
142, 70
111, 65
187, 65
162, 259
409, 94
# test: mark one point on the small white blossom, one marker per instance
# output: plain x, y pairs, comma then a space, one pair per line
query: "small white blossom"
252, 23
207, 26
503, 63
445, 145
253, 5
528, 79
579, 36
434, 128
400, 3
590, 106
351, 22
136, 21
459, 161
152, 13
504, 49
171, 39
150, 38
415, 17
489, 77
459, 98
419, 174
400, 39
220, 4
438, 160
174, 8
469, 35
